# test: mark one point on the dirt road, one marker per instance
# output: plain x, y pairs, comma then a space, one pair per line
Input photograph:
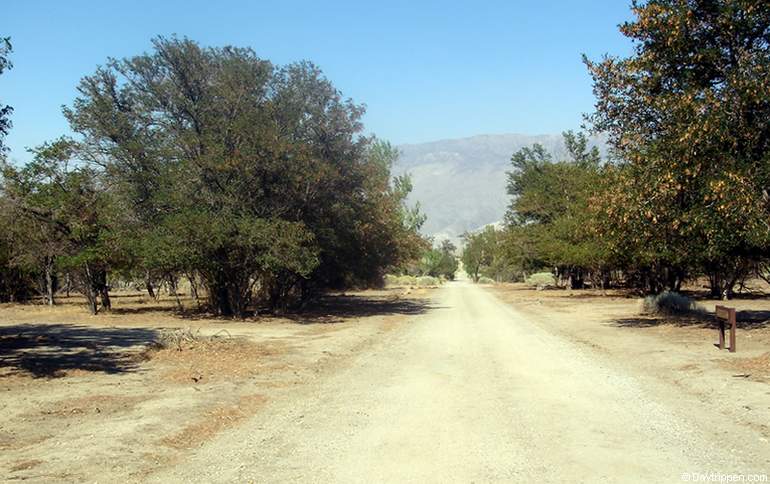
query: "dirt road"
471, 391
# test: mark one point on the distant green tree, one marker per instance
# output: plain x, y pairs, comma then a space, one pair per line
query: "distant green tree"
439, 261
449, 261
472, 256
487, 254
549, 219
479, 252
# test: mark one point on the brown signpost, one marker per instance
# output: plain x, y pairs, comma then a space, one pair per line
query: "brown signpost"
726, 315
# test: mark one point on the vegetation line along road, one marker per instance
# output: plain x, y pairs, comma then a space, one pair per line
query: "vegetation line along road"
684, 192
219, 274
254, 182
250, 180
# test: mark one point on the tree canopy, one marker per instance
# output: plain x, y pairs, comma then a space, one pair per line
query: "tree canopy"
214, 163
549, 223
684, 192
687, 117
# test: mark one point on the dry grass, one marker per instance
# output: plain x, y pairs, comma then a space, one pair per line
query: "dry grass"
128, 309
186, 339
207, 361
213, 421
755, 368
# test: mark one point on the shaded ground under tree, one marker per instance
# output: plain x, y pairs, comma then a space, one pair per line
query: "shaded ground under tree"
746, 319
50, 350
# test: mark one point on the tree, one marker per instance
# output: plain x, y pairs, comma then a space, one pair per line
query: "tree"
5, 111
16, 281
61, 220
687, 117
255, 177
472, 256
439, 261
549, 221
449, 264
479, 252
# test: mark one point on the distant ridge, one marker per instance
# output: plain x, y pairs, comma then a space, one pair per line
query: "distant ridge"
460, 183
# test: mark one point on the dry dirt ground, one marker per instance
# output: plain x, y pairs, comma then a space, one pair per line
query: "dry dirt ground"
679, 351
461, 384
91, 398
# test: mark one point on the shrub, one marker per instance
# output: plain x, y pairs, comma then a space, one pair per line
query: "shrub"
669, 303
428, 281
398, 281
180, 339
390, 280
407, 281
541, 279
486, 280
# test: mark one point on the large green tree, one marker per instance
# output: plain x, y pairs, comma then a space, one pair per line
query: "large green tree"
256, 177
687, 115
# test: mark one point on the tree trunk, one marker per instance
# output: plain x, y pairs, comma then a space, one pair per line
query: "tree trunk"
228, 291
50, 281
576, 278
49, 288
221, 300
715, 284
104, 290
105, 296
90, 291
148, 285
193, 286
172, 288
93, 306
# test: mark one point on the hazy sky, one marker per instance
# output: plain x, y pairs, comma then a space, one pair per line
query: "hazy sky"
425, 70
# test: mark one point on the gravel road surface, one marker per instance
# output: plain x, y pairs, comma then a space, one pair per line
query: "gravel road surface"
470, 391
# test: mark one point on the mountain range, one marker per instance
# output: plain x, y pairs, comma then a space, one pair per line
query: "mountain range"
460, 183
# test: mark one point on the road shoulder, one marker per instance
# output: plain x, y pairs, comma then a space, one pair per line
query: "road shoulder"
678, 363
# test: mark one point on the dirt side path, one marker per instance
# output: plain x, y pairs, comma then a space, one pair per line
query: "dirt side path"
470, 391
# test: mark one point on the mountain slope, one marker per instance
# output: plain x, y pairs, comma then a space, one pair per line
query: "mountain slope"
460, 183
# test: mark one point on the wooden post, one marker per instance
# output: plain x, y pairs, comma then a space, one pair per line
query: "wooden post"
731, 320
726, 315
721, 334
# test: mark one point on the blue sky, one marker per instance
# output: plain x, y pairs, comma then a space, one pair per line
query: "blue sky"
425, 70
